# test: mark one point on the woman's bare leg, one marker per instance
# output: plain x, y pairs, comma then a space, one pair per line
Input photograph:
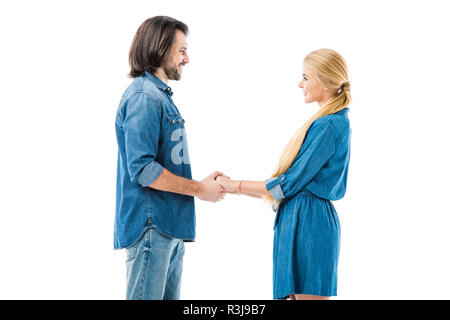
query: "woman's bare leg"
309, 297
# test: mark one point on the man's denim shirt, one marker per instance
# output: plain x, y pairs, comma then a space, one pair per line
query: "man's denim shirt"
321, 166
151, 136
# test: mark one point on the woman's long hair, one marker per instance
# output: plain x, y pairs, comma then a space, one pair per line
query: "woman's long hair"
330, 69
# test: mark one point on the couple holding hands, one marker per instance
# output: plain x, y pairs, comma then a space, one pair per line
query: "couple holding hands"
155, 212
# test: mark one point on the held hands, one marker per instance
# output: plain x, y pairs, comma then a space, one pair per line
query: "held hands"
210, 189
255, 189
215, 186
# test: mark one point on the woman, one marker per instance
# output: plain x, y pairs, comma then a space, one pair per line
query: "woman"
312, 171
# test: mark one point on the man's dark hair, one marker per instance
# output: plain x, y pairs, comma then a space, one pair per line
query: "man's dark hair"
153, 43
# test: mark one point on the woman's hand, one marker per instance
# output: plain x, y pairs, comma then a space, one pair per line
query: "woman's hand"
256, 189
230, 186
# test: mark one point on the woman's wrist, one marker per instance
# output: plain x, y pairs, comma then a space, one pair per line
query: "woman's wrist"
236, 186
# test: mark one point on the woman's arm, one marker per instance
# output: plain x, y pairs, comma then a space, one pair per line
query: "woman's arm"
255, 189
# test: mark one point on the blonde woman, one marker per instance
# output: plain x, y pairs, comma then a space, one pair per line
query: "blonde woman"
311, 172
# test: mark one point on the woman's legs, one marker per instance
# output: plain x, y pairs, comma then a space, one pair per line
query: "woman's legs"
307, 297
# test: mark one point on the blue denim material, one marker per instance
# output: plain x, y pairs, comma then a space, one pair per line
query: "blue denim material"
306, 247
150, 136
307, 228
321, 165
154, 267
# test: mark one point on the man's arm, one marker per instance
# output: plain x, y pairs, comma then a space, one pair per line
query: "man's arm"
141, 122
208, 189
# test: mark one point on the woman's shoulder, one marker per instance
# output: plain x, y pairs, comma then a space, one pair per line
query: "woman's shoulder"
321, 124
335, 124
339, 121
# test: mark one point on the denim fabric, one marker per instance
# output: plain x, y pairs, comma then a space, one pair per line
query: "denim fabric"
306, 247
154, 267
307, 228
150, 136
321, 165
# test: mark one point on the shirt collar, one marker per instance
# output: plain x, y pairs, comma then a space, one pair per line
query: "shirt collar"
159, 83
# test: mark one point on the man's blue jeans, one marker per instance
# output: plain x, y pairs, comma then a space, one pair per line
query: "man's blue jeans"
154, 267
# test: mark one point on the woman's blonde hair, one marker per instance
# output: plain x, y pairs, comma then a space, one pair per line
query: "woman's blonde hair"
330, 70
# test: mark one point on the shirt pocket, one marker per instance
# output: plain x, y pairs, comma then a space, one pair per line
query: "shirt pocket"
174, 122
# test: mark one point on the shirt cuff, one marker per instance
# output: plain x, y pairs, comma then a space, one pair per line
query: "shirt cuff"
274, 187
150, 173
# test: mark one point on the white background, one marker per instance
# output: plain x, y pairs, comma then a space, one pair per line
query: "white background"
64, 67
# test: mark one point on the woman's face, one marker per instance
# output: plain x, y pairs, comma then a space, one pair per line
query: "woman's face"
312, 89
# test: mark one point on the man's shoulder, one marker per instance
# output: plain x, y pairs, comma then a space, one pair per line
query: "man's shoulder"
142, 85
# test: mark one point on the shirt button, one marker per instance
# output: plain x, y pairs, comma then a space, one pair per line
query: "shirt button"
282, 178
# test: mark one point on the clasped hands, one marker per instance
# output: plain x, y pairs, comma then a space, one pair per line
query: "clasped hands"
215, 186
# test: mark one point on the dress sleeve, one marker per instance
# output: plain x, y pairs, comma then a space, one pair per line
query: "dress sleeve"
141, 126
318, 147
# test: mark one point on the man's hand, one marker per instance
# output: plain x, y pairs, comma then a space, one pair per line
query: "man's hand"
210, 189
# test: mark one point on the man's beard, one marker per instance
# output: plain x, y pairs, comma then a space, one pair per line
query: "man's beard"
172, 72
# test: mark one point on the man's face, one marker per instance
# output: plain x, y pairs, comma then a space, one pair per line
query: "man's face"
178, 57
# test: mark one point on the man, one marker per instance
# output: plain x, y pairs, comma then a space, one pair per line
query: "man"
155, 191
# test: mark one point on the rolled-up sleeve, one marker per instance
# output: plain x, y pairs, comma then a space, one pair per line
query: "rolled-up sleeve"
141, 126
274, 187
150, 173
318, 147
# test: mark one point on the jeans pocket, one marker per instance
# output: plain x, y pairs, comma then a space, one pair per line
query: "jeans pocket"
131, 252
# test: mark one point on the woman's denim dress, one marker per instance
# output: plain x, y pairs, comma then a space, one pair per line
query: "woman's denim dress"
307, 228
